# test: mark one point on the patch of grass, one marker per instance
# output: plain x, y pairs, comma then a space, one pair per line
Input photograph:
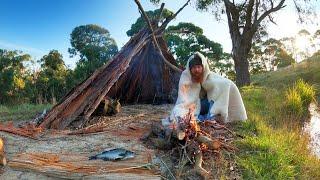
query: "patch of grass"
274, 146
298, 99
21, 112
293, 102
307, 70
306, 91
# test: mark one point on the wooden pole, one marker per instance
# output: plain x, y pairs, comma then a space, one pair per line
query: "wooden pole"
155, 42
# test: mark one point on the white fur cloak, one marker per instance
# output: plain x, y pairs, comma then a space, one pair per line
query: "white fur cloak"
224, 93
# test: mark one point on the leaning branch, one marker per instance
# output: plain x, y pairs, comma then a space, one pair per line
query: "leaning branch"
143, 13
166, 22
160, 14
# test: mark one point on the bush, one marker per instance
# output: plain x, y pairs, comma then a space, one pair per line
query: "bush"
306, 92
294, 102
299, 97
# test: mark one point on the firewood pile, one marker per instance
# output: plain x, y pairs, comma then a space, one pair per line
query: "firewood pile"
189, 145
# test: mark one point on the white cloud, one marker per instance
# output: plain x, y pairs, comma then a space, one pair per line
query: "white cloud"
25, 49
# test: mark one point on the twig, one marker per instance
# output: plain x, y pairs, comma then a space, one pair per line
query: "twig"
184, 148
167, 168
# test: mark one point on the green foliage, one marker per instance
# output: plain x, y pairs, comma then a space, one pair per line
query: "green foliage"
294, 103
92, 42
306, 91
140, 22
185, 39
12, 75
284, 58
268, 55
51, 81
94, 46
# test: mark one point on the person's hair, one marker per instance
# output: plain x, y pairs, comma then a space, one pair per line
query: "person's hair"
196, 60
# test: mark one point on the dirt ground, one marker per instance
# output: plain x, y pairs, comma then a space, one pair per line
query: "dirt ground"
56, 155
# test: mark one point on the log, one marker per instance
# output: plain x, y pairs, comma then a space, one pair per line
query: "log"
212, 144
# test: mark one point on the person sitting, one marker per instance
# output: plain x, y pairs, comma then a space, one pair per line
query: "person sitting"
208, 94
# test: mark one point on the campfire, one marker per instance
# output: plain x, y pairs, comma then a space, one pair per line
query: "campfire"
191, 142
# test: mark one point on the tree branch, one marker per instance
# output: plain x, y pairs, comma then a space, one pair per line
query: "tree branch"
160, 14
266, 13
166, 22
249, 11
154, 38
256, 11
233, 18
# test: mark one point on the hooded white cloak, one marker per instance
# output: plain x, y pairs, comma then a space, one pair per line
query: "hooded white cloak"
225, 94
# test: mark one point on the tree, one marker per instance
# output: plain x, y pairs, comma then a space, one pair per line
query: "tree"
245, 18
285, 59
94, 46
12, 72
268, 55
51, 81
302, 45
185, 39
316, 38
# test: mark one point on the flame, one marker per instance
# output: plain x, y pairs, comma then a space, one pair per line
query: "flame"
203, 147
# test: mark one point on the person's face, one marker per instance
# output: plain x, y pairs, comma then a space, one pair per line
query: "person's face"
197, 70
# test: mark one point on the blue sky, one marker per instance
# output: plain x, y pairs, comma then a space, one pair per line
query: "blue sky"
38, 26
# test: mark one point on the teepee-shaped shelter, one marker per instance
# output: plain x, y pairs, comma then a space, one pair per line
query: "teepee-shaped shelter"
142, 72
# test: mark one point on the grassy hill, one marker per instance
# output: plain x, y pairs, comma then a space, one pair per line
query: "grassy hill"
275, 146
308, 70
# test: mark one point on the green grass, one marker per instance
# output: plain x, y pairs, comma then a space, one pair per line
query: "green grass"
274, 146
307, 70
21, 112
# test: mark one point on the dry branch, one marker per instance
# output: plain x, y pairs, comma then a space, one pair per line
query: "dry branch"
154, 38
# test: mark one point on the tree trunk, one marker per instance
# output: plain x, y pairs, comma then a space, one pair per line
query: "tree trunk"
242, 68
240, 49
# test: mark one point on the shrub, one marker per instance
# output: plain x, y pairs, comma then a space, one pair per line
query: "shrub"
294, 102
299, 97
307, 92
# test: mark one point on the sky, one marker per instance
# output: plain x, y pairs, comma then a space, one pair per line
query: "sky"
38, 26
